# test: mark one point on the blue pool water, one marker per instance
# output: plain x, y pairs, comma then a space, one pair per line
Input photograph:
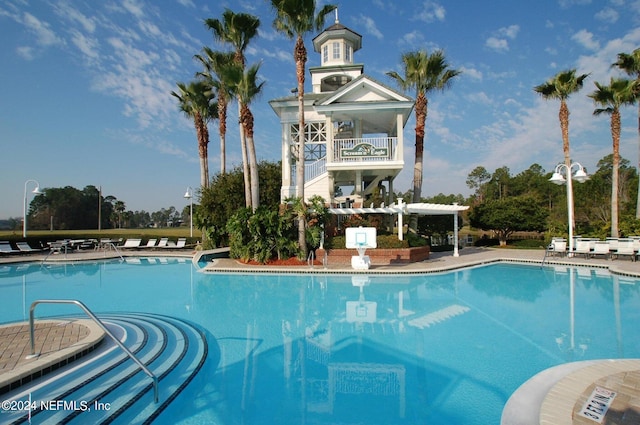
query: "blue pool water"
446, 348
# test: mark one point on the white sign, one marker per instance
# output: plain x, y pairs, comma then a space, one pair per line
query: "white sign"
596, 406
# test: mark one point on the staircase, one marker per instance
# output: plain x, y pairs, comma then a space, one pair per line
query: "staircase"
108, 386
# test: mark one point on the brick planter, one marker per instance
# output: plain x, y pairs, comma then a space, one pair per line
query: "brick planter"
378, 256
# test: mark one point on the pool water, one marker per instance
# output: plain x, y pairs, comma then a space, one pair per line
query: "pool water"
444, 348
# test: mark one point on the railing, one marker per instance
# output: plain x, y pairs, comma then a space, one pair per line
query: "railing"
101, 325
64, 246
314, 169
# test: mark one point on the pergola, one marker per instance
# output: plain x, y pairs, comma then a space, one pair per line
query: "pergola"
420, 208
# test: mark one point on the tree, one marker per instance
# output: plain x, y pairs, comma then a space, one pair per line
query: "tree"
560, 87
618, 93
630, 63
224, 196
424, 73
214, 63
498, 186
295, 18
477, 180
507, 215
245, 87
237, 29
196, 101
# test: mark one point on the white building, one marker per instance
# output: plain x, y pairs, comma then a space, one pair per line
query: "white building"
353, 127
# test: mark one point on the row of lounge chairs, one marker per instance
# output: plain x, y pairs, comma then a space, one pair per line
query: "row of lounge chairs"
136, 243
6, 247
592, 247
21, 248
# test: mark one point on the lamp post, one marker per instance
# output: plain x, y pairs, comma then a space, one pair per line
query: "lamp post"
24, 206
580, 175
189, 195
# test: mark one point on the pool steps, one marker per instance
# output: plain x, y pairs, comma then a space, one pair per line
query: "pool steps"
173, 349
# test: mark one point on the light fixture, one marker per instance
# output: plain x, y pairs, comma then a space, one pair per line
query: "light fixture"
558, 178
189, 195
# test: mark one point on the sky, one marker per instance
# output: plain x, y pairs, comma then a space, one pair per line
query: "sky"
85, 88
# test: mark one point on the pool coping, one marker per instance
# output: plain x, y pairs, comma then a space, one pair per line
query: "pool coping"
26, 372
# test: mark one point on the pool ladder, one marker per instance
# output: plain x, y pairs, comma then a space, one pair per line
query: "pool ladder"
546, 253
312, 257
101, 325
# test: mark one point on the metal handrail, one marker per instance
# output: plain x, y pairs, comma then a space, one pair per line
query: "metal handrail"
102, 326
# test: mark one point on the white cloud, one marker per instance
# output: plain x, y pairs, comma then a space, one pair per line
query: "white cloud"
511, 31
87, 45
25, 52
431, 12
480, 97
46, 36
412, 38
608, 15
134, 7
66, 11
186, 3
370, 26
498, 44
472, 73
585, 39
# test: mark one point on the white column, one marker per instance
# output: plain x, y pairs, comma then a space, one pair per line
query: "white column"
400, 135
455, 235
400, 224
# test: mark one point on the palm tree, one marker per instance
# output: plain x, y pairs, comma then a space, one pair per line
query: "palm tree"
214, 63
618, 93
237, 29
630, 63
244, 86
423, 73
296, 18
196, 101
560, 87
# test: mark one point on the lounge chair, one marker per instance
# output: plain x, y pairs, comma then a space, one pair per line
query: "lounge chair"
163, 243
176, 245
601, 248
25, 247
151, 243
131, 243
583, 247
558, 247
6, 248
625, 247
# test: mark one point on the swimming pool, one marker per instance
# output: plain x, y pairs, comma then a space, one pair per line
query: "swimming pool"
442, 348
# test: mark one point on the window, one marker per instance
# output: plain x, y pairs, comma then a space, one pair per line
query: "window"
315, 141
325, 53
347, 53
336, 50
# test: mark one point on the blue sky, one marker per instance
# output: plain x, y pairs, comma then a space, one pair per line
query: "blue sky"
85, 88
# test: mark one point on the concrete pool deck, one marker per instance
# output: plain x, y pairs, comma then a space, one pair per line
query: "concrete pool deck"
553, 397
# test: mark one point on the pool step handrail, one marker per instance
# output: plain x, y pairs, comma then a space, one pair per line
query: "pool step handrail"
101, 325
